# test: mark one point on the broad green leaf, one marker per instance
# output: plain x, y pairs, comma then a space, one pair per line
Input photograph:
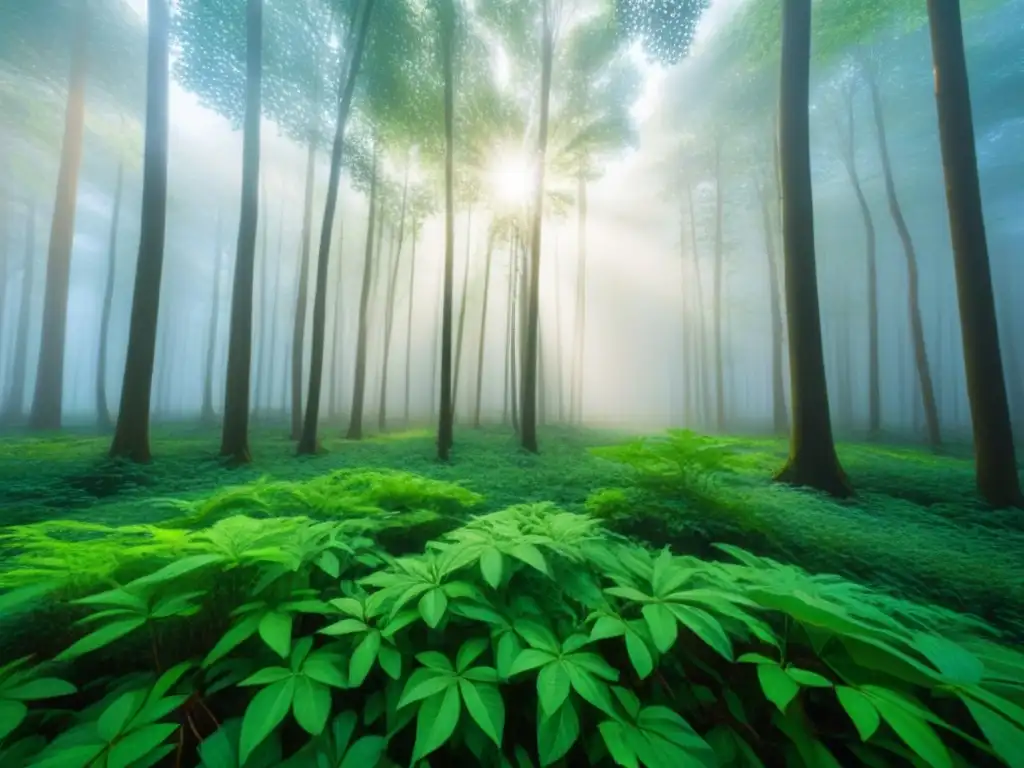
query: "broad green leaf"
556, 734
167, 680
432, 606
1005, 738
779, 688
311, 705
276, 630
436, 721
266, 676
537, 635
531, 658
264, 713
807, 678
705, 626
12, 713
552, 687
505, 654
15, 597
594, 664
40, 688
614, 737
365, 753
424, 683
350, 606
390, 660
486, 707
435, 660
231, 639
957, 664
130, 750
628, 700
639, 654
78, 756
662, 624
329, 564
589, 688
116, 716
487, 675
470, 652
755, 658
120, 598
530, 555
607, 627
915, 732
345, 627
174, 570
363, 657
101, 638
300, 650
628, 593
860, 709
492, 566
671, 727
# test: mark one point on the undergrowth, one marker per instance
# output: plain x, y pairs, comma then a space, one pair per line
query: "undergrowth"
528, 636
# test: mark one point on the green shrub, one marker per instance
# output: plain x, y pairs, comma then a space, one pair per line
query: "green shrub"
526, 637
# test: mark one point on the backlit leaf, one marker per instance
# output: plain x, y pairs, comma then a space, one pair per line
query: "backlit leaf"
662, 624
487, 708
779, 688
432, 606
276, 630
311, 705
860, 709
552, 687
556, 734
436, 721
264, 713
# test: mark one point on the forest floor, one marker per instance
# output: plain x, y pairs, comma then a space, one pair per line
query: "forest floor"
915, 526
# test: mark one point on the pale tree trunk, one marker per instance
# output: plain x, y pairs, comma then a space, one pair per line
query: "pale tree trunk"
338, 328
719, 268
302, 298
15, 400
208, 414
703, 379
389, 309
261, 328
779, 415
274, 308
463, 302
580, 321
559, 379
483, 330
102, 409
408, 329
445, 429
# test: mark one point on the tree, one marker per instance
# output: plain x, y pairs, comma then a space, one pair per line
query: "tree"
102, 409
235, 433
389, 309
489, 258
15, 400
812, 455
995, 459
131, 435
208, 414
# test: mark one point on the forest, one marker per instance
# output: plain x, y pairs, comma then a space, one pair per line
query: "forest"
512, 383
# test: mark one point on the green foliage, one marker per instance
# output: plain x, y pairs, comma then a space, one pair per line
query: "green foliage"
527, 636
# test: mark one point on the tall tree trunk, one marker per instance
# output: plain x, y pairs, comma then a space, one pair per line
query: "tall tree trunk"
445, 428
235, 435
274, 308
513, 334
580, 321
924, 374
389, 309
779, 415
408, 330
208, 414
463, 302
488, 259
560, 368
15, 400
302, 299
102, 410
4, 261
719, 265
531, 338
355, 425
337, 325
261, 327
506, 407
995, 460
131, 436
812, 454
704, 371
49, 386
849, 157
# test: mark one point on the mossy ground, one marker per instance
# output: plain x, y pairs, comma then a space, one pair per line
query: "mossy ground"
915, 525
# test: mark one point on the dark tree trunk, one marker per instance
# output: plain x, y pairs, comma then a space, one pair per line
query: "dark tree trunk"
389, 309
208, 414
235, 434
812, 454
913, 278
445, 428
779, 415
102, 410
580, 321
355, 425
483, 330
131, 436
531, 346
357, 40
338, 332
302, 299
463, 302
408, 331
995, 460
719, 265
15, 400
49, 386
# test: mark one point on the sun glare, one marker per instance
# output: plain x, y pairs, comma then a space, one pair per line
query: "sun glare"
510, 178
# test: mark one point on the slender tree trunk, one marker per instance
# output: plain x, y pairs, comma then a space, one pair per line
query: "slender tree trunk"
102, 410
559, 379
235, 435
509, 313
4, 262
812, 455
131, 436
408, 331
338, 332
49, 386
913, 278
514, 334
719, 265
274, 308
779, 415
445, 429
208, 414
299, 328
489, 258
261, 326
580, 321
355, 426
702, 345
15, 400
389, 309
995, 459
463, 302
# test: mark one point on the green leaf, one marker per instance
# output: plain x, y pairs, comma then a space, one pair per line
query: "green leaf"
915, 732
363, 657
552, 687
705, 626
629, 594
365, 753
607, 627
329, 564
390, 660
486, 707
233, 638
276, 630
860, 709
639, 654
40, 688
530, 555
101, 638
345, 627
264, 713
435, 660
506, 653
531, 658
779, 688
614, 737
116, 716
956, 664
350, 606
12, 713
1005, 738
662, 623
325, 668
432, 606
71, 757
628, 700
436, 721
266, 676
589, 688
556, 734
537, 635
174, 570
807, 678
424, 683
311, 705
139, 743
470, 652
492, 566
119, 598
594, 664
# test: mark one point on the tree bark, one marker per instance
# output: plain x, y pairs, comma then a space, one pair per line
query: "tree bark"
463, 301
274, 308
337, 324
355, 425
408, 331
389, 309
49, 386
235, 434
445, 429
924, 374
15, 400
704, 371
580, 321
261, 326
208, 414
995, 459
131, 435
483, 330
559, 378
302, 299
719, 265
779, 415
513, 305
102, 410
812, 454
